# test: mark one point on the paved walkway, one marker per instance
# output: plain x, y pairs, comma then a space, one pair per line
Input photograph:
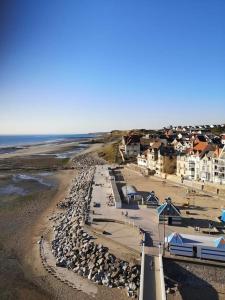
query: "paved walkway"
149, 279
152, 287
127, 235
141, 216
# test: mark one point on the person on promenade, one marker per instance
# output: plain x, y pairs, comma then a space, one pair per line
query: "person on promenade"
182, 179
203, 184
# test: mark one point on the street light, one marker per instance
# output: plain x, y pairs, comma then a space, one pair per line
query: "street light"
164, 232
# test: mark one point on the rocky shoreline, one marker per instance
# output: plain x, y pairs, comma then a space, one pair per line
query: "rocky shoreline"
75, 249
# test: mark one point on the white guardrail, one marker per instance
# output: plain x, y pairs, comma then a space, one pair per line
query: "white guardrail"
162, 281
141, 293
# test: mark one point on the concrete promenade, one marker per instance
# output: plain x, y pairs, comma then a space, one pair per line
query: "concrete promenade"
139, 216
100, 194
153, 276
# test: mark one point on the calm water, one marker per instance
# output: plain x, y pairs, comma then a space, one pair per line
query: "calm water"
20, 140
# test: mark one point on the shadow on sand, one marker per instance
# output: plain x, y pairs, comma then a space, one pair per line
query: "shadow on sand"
202, 223
189, 285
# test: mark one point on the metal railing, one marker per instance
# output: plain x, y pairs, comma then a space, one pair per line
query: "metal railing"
141, 293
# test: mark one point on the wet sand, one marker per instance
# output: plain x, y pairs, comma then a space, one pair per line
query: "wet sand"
41, 149
23, 219
21, 224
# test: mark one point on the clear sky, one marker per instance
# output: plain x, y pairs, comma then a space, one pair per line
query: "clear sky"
93, 65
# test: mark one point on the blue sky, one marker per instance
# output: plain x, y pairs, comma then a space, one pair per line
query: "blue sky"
93, 65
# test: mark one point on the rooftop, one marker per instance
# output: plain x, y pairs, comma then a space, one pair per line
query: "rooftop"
208, 241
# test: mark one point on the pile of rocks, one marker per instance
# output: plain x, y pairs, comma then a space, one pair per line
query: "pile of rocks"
74, 248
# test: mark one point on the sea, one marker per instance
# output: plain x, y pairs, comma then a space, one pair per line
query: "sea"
25, 183
23, 140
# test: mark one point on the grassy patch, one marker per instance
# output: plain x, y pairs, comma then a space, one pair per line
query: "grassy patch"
110, 152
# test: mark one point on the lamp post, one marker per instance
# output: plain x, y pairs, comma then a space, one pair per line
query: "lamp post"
164, 232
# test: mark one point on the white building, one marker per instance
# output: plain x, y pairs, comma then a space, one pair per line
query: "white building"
186, 166
158, 159
130, 145
223, 139
218, 169
208, 166
181, 146
142, 160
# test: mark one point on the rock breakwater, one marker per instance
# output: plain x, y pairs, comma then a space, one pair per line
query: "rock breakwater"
75, 249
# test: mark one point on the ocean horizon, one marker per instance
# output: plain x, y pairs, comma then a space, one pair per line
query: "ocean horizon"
29, 139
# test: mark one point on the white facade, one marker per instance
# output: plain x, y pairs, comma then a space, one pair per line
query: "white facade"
142, 161
209, 168
223, 139
152, 160
218, 174
205, 169
186, 166
130, 148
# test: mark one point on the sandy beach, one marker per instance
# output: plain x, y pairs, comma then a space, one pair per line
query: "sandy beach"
23, 219
43, 148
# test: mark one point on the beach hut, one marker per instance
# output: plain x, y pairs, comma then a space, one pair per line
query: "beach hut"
152, 200
175, 238
220, 243
223, 216
199, 246
214, 249
169, 213
177, 245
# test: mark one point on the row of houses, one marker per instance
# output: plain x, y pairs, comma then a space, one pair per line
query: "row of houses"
205, 162
189, 156
196, 127
158, 159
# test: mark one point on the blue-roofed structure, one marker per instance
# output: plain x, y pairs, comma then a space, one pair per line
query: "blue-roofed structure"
223, 216
169, 213
220, 243
175, 238
152, 200
205, 247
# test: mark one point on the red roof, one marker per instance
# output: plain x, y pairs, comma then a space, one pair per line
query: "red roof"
201, 146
